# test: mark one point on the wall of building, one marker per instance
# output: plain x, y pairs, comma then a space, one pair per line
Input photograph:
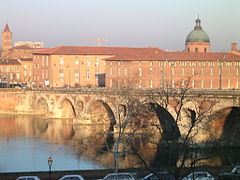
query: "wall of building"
159, 74
69, 70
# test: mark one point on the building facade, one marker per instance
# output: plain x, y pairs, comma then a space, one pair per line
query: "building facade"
16, 70
73, 66
76, 66
175, 70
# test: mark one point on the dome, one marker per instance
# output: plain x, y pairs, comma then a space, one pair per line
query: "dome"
197, 35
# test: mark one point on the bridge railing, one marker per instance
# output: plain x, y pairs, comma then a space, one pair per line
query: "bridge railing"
144, 91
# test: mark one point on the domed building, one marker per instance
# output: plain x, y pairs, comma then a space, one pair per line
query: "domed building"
197, 40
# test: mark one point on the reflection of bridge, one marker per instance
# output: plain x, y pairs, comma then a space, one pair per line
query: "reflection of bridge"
91, 106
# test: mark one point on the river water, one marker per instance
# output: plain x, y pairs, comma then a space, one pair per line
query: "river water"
26, 142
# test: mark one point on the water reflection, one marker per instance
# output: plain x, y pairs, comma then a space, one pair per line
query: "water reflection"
27, 141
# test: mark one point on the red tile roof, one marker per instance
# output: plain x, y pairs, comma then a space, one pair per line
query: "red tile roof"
176, 56
94, 50
6, 29
9, 62
138, 54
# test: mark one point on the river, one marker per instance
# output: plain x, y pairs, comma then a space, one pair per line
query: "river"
26, 142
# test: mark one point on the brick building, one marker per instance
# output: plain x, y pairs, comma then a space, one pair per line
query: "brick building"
174, 69
16, 70
75, 66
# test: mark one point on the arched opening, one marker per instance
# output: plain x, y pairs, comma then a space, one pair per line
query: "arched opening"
226, 125
67, 110
170, 130
157, 121
42, 107
101, 113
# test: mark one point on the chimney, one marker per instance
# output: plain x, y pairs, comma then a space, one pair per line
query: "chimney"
233, 46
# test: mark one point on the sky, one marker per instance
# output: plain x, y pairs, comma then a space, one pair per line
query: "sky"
133, 23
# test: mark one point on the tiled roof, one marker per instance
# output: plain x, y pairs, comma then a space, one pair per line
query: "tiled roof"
9, 62
138, 54
6, 29
93, 50
177, 56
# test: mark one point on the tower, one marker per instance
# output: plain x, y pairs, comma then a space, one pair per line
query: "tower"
197, 40
6, 39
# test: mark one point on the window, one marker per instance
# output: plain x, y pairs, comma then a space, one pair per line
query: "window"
150, 84
42, 74
42, 60
88, 60
196, 49
76, 75
139, 71
61, 75
150, 71
183, 72
96, 61
193, 72
229, 83
18, 76
11, 76
172, 71
46, 60
61, 61
76, 60
119, 71
96, 74
125, 71
87, 74
205, 49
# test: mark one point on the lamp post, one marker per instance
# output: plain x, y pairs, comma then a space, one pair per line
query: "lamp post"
50, 161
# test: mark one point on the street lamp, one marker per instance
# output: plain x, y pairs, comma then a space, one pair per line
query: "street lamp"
50, 161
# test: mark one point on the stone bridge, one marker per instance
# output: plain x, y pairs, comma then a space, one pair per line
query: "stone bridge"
101, 106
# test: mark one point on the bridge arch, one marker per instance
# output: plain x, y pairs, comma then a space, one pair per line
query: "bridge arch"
65, 107
101, 112
168, 125
225, 125
42, 106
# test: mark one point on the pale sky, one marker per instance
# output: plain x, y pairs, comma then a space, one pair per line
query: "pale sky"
133, 23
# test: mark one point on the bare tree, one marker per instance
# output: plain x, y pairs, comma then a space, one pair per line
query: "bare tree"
181, 132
